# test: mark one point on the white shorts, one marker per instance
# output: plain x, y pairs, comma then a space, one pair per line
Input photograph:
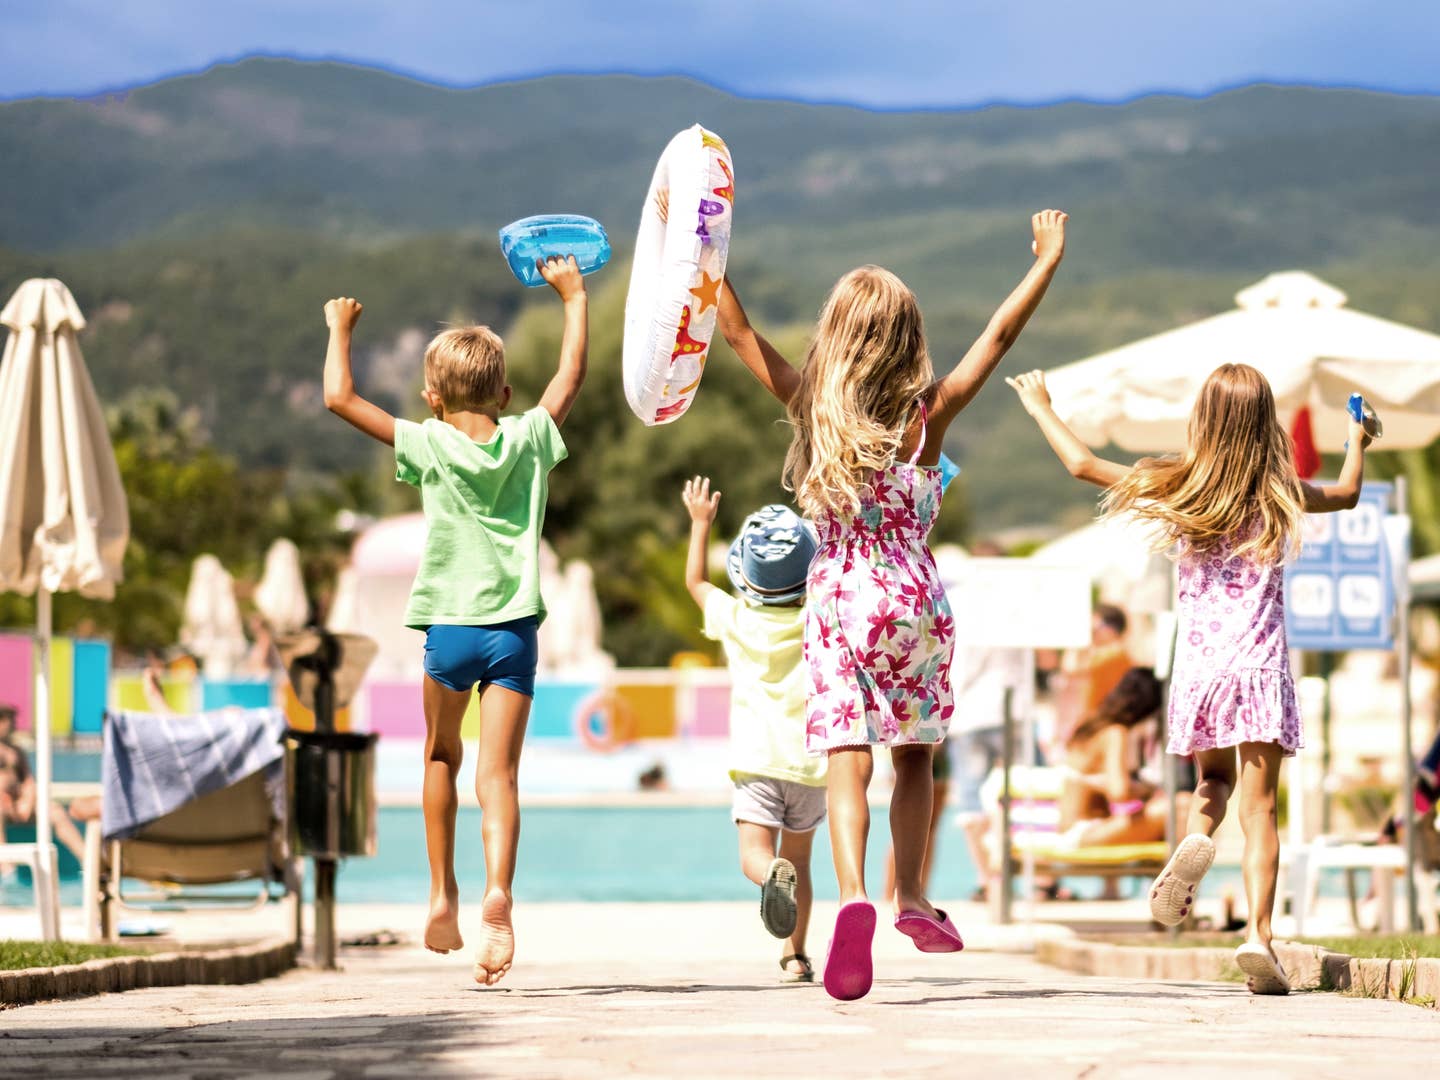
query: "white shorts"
778, 804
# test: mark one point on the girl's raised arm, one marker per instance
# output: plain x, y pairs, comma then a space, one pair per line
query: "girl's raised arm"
1079, 459
1345, 492
954, 391
763, 359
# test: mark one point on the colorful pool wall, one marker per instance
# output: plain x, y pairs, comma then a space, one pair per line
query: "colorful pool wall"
79, 683
600, 713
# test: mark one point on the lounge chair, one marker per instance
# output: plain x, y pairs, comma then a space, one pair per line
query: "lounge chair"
1035, 793
189, 803
228, 836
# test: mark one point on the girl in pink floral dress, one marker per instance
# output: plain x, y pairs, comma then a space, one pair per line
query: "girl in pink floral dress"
1231, 506
869, 419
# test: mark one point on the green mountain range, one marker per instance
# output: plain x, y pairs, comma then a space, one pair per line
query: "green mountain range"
203, 220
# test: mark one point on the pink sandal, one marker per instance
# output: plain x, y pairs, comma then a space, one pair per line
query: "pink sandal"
931, 934
849, 969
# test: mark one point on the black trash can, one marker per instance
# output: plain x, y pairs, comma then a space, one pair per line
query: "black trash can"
316, 760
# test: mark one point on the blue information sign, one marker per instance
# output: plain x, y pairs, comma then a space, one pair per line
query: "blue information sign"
1339, 594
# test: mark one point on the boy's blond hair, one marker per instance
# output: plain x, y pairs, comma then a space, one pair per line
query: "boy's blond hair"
466, 368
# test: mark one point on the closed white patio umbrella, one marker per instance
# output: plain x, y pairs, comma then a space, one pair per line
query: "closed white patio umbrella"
1292, 326
64, 520
280, 596
212, 629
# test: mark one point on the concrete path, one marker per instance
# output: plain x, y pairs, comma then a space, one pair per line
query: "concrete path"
687, 991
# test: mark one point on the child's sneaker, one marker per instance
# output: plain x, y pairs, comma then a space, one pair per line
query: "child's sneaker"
1173, 894
777, 899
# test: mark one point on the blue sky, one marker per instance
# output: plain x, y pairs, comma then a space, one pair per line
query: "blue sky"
882, 53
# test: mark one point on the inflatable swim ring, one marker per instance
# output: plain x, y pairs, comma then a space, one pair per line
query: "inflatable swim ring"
675, 283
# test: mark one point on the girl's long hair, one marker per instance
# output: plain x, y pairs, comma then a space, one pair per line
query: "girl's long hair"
1236, 482
865, 369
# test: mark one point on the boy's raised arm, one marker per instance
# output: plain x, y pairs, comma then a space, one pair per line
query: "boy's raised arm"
702, 505
341, 315
1079, 460
763, 359
564, 277
955, 390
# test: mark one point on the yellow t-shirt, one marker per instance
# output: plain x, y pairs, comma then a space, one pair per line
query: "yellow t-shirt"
763, 646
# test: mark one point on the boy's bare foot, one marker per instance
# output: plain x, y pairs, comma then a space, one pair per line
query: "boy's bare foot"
442, 928
497, 940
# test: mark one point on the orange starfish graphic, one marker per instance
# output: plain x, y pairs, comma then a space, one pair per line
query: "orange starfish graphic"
707, 292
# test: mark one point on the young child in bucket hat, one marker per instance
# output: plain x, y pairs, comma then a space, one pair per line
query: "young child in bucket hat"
779, 789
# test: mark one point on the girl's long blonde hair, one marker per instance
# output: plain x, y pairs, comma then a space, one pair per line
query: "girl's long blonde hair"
1235, 482
866, 367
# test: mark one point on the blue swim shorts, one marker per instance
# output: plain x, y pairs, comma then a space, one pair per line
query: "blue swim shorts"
505, 654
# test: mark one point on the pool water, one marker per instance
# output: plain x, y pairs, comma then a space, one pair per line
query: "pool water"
610, 853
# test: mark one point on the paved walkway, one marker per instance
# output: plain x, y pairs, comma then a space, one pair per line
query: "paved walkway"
686, 990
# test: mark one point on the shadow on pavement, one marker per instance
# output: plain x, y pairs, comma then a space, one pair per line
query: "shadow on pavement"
342, 1045
642, 988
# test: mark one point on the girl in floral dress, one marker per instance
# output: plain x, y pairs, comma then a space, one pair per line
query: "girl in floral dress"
1231, 507
869, 419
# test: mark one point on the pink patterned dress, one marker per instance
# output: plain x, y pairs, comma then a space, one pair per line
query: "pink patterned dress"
878, 630
1231, 681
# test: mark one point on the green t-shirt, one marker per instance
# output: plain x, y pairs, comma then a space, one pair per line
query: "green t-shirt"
484, 507
768, 681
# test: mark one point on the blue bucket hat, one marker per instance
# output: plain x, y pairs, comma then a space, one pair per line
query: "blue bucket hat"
770, 559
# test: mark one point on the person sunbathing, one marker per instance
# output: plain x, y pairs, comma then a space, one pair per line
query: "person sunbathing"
1105, 801
18, 792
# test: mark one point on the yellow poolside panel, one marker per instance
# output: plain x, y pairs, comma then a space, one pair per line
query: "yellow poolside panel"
645, 712
129, 694
62, 685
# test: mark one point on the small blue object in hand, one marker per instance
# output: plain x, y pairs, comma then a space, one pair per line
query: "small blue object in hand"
524, 241
1361, 413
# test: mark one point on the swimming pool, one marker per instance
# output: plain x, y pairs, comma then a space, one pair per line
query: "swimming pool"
660, 852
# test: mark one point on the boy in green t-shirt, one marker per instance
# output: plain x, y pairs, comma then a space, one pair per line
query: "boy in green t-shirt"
779, 789
483, 482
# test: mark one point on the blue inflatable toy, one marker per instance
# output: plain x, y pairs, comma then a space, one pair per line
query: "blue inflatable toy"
531, 238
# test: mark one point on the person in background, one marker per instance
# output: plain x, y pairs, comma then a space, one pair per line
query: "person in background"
18, 791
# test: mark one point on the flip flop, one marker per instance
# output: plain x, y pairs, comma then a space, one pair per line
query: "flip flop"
930, 934
1173, 893
777, 899
849, 969
1266, 974
788, 976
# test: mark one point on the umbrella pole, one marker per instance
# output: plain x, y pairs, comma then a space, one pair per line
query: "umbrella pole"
46, 892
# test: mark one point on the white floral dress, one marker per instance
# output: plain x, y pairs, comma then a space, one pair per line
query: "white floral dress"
879, 634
